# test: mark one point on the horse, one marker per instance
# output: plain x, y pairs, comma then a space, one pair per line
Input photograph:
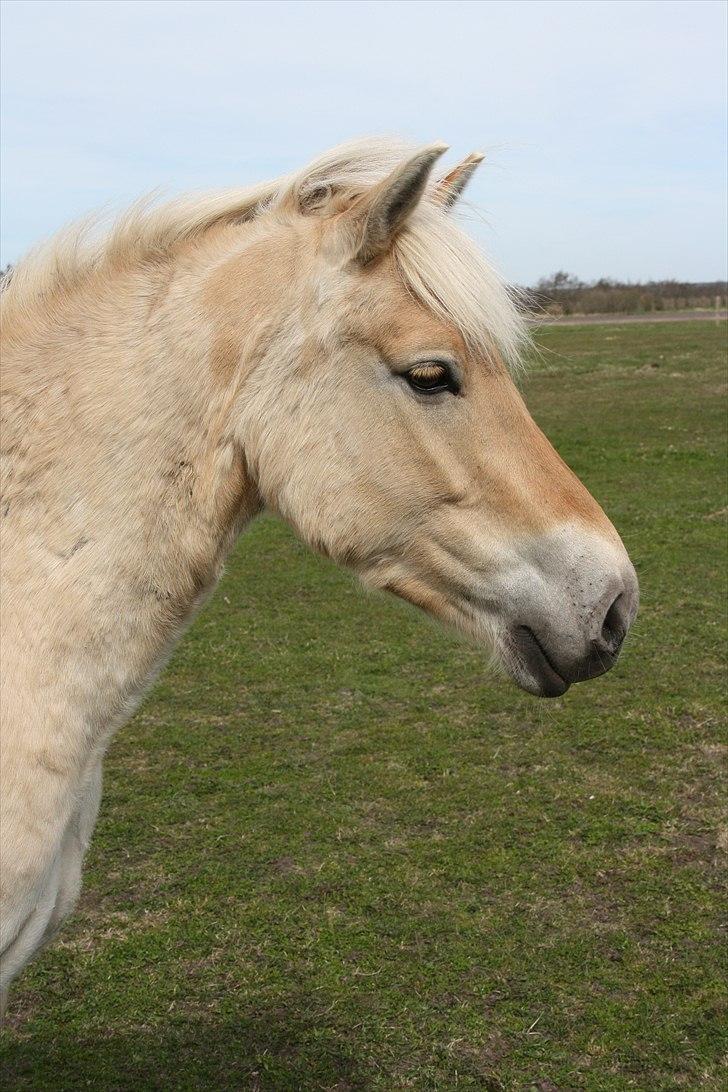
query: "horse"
329, 346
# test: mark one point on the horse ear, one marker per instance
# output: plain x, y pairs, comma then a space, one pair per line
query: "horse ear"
381, 212
449, 188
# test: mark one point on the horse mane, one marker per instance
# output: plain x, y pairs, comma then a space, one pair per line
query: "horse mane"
438, 262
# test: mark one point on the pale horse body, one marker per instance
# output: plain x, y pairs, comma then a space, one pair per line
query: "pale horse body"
329, 346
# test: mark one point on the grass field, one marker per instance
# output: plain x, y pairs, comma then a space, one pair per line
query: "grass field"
335, 854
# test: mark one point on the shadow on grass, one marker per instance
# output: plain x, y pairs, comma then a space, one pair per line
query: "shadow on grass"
283, 1047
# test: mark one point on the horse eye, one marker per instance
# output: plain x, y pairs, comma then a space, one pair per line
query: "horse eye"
431, 378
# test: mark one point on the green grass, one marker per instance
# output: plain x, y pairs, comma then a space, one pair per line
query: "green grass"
334, 853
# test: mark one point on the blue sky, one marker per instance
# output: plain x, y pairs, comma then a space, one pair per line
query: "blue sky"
604, 124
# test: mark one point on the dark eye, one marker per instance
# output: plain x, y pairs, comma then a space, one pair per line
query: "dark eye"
431, 377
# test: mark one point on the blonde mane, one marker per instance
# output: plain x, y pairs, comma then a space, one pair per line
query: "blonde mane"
438, 262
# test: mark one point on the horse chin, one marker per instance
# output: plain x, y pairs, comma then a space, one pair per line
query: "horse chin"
515, 652
531, 670
514, 648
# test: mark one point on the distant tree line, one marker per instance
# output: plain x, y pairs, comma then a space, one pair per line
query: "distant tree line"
564, 294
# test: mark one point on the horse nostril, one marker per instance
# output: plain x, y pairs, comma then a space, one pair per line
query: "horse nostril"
614, 626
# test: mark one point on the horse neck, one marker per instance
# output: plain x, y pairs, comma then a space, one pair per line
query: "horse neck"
136, 473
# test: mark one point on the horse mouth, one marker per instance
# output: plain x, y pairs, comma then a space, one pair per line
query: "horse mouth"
531, 667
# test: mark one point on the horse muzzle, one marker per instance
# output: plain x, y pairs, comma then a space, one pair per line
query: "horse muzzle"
547, 650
